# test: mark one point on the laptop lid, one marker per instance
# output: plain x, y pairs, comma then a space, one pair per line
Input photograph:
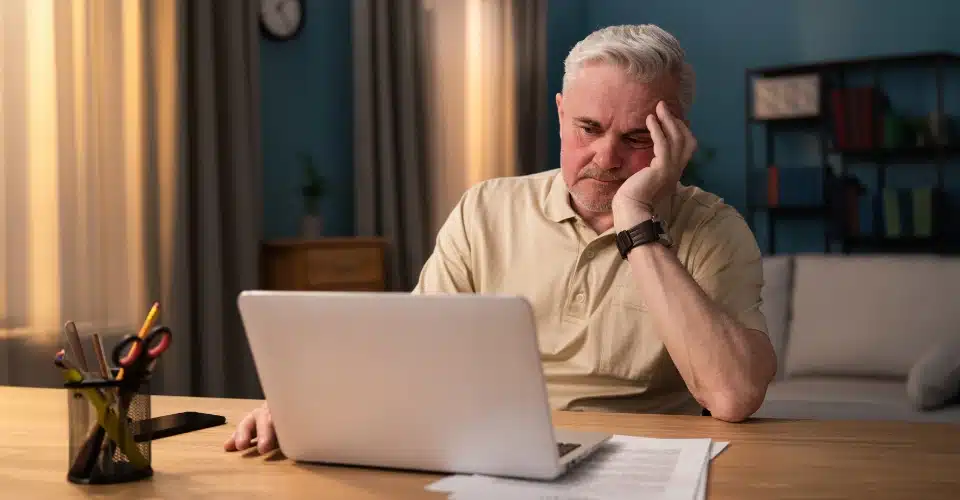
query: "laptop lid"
448, 383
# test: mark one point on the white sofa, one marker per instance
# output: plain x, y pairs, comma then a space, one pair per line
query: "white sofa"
873, 337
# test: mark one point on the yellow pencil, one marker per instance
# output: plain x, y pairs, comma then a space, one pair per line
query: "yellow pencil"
147, 323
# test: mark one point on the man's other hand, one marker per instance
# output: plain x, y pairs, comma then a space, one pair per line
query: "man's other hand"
255, 429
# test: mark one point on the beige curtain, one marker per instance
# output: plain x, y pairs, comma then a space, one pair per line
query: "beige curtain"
74, 139
447, 93
128, 174
530, 62
391, 162
484, 58
208, 199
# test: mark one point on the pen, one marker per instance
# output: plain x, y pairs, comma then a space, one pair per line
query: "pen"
76, 347
62, 361
101, 358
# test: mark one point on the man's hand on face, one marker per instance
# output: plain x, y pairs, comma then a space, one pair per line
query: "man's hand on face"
673, 145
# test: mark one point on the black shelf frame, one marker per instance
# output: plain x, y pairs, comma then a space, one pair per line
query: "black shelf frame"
834, 72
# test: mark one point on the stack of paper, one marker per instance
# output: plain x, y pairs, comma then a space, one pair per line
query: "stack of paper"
625, 467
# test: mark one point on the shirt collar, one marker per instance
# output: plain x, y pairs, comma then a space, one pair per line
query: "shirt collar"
557, 205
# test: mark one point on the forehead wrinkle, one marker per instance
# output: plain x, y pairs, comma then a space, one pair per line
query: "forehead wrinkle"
609, 97
620, 118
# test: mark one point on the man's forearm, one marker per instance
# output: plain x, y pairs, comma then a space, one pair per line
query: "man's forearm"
726, 367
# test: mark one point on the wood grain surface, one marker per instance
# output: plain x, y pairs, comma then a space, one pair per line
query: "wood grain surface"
767, 459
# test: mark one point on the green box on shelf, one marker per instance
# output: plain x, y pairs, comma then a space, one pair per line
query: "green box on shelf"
906, 212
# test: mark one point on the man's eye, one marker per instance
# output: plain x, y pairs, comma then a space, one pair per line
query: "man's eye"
638, 142
590, 129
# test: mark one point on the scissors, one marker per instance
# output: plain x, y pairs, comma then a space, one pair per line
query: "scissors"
110, 425
136, 355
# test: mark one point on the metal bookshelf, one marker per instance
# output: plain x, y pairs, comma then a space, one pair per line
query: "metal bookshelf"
833, 75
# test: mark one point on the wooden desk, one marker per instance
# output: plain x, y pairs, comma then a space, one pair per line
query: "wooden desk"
337, 264
767, 459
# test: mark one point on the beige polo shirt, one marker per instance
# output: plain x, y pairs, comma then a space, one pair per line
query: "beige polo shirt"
598, 344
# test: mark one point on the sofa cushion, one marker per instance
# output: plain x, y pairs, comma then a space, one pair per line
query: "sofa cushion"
935, 378
847, 398
869, 315
775, 295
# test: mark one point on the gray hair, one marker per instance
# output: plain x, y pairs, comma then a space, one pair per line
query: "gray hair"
644, 51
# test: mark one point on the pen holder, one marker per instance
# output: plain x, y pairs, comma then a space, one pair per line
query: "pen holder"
103, 415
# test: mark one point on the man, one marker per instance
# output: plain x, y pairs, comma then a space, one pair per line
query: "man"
665, 325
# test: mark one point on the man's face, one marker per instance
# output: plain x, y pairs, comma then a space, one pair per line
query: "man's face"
603, 132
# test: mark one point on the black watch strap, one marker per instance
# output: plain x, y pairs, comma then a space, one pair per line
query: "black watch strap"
648, 231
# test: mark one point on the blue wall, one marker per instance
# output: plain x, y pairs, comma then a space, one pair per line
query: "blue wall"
307, 83
306, 106
566, 25
722, 39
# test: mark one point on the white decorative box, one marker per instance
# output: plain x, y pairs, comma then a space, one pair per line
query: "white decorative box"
795, 96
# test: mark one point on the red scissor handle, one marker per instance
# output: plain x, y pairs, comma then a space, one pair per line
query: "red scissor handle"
133, 356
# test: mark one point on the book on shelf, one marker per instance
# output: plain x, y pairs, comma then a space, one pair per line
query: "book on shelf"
855, 123
904, 213
800, 186
863, 120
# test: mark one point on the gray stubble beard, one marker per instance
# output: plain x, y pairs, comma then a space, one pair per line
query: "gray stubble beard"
592, 206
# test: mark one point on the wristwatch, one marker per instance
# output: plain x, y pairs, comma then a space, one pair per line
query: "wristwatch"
648, 231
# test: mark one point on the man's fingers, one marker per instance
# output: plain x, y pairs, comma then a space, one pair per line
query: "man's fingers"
266, 438
245, 431
659, 141
689, 143
231, 443
674, 135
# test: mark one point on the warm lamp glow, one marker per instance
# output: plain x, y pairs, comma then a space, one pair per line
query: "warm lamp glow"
42, 166
472, 97
133, 131
74, 171
490, 118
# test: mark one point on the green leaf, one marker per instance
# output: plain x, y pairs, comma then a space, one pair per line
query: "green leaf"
314, 182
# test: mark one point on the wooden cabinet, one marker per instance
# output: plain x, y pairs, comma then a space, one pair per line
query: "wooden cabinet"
333, 264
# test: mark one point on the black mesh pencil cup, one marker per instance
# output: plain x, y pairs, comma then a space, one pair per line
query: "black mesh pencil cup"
103, 417
109, 416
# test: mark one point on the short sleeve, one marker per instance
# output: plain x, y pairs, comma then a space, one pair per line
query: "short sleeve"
447, 270
726, 261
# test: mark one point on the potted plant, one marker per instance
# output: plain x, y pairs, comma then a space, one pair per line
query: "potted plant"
313, 190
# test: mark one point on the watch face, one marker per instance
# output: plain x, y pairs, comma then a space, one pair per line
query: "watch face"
665, 239
663, 235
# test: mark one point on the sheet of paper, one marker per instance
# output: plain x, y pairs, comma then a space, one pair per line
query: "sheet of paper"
625, 467
716, 448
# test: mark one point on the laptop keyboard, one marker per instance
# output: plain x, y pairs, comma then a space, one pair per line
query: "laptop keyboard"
565, 448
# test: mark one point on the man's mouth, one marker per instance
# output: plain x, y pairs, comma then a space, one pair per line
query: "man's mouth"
606, 181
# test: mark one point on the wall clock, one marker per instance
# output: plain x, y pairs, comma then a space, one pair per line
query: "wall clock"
281, 20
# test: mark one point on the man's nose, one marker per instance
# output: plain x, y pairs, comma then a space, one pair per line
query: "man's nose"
605, 152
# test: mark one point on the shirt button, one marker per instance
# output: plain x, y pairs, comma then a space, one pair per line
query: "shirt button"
590, 254
580, 297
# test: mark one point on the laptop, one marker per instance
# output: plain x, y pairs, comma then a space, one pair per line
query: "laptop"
437, 383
